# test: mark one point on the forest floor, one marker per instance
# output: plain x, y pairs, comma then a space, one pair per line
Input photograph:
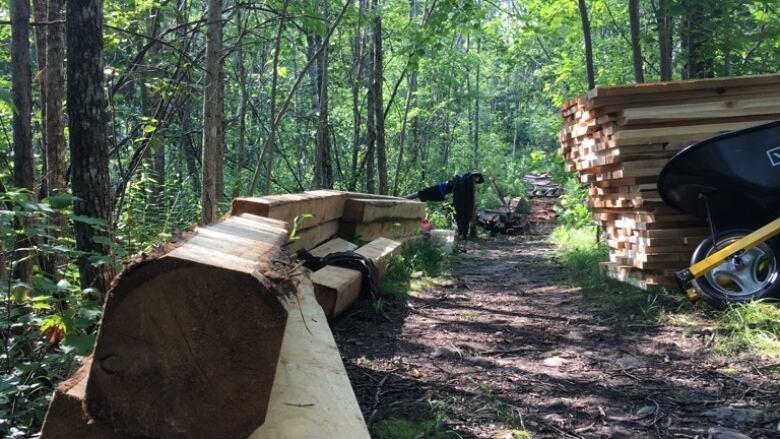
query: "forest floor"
508, 347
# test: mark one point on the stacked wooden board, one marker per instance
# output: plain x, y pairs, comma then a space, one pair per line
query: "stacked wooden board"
222, 319
619, 138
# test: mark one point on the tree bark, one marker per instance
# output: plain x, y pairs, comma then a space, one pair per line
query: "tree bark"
241, 108
56, 168
213, 115
379, 107
21, 83
477, 85
665, 23
40, 10
323, 171
636, 46
186, 146
271, 141
588, 45
88, 145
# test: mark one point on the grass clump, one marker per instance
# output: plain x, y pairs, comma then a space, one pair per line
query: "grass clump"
406, 429
752, 327
581, 253
419, 261
749, 327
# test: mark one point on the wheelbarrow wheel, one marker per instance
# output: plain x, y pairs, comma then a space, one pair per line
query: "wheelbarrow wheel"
752, 275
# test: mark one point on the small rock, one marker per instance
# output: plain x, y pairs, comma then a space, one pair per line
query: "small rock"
440, 353
739, 415
555, 403
554, 362
555, 418
630, 362
645, 411
725, 433
482, 362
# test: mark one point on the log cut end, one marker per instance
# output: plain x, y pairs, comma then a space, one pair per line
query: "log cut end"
65, 418
188, 346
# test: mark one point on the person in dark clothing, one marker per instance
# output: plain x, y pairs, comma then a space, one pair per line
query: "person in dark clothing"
464, 198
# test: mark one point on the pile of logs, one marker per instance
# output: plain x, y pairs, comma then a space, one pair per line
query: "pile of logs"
220, 335
619, 138
533, 214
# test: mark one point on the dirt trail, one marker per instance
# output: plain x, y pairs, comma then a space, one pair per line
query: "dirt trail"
509, 345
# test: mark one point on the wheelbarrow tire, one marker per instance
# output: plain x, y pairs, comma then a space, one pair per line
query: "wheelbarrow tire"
718, 296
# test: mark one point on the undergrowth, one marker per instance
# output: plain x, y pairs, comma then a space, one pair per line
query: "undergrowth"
743, 328
419, 262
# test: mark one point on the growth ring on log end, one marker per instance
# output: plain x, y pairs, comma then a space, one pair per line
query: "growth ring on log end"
186, 350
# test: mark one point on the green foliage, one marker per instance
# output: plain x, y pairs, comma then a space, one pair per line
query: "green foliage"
406, 429
750, 327
581, 255
420, 259
49, 323
573, 211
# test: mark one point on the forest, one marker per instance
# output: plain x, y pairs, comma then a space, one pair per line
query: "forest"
125, 122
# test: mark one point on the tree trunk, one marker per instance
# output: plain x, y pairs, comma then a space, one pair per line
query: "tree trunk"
213, 115
56, 167
665, 23
379, 107
411, 81
88, 145
186, 145
40, 8
477, 85
636, 46
21, 83
271, 142
241, 108
323, 170
370, 141
588, 45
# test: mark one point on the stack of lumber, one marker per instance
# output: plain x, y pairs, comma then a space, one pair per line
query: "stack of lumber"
219, 335
619, 138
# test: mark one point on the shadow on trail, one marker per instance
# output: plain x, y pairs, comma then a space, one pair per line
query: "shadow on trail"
513, 345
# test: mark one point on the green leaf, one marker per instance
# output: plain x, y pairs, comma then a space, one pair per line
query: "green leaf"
61, 201
80, 344
101, 240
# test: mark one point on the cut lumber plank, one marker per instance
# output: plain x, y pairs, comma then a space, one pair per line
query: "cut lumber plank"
312, 397
322, 205
335, 245
655, 88
313, 236
371, 210
337, 288
66, 419
381, 251
370, 231
189, 341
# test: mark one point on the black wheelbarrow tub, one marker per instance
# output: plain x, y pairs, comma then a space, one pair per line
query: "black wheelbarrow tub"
737, 172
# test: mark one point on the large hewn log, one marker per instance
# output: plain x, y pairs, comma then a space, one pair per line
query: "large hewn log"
322, 206
65, 418
335, 245
369, 231
312, 396
312, 236
190, 341
357, 210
